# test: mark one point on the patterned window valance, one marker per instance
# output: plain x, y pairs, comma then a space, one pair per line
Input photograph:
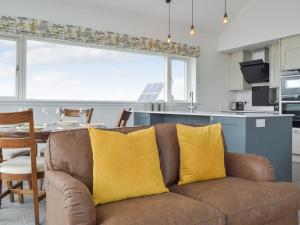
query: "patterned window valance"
41, 28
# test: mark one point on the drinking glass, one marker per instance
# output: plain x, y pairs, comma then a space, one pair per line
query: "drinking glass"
58, 114
45, 113
81, 114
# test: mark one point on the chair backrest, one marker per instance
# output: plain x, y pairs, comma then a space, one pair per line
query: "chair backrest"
78, 113
123, 118
27, 141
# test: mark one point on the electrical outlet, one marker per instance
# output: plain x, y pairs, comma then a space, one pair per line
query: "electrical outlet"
260, 122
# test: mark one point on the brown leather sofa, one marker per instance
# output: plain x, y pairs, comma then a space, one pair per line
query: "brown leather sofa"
248, 196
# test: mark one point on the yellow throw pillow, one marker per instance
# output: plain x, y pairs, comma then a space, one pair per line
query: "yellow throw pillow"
125, 165
201, 153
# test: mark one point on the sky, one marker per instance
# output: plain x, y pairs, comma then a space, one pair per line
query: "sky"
7, 68
68, 72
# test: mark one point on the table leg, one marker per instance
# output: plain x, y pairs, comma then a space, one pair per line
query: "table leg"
1, 156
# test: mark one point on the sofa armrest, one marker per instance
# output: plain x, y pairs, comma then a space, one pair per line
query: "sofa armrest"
68, 199
250, 167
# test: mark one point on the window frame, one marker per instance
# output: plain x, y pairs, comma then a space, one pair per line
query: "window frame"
17, 69
21, 70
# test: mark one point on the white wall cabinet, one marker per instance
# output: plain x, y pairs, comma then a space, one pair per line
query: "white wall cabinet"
296, 141
290, 53
274, 60
236, 79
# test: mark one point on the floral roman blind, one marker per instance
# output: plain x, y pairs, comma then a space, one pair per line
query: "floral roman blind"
44, 29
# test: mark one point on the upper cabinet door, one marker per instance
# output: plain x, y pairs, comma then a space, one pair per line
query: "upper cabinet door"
274, 65
236, 79
290, 53
235, 72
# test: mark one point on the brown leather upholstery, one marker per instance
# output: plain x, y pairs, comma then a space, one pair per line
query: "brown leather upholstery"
251, 167
291, 219
78, 150
168, 208
168, 146
245, 198
70, 151
169, 152
78, 206
245, 202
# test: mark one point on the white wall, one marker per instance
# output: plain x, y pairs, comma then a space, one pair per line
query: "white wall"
213, 66
213, 77
261, 21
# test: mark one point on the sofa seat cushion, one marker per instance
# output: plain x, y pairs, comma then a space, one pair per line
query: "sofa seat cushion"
243, 201
167, 208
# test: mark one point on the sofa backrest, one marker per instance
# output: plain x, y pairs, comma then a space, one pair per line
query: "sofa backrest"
70, 151
169, 152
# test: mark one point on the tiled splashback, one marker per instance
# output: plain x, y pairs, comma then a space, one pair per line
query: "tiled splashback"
246, 96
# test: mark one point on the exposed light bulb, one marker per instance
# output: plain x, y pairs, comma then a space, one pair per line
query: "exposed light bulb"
225, 18
169, 39
192, 32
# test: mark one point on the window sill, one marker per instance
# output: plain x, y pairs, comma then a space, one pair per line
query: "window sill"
76, 102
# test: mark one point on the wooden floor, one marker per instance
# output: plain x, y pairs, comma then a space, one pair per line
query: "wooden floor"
22, 214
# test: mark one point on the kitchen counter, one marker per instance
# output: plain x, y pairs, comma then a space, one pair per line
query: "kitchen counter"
261, 133
223, 113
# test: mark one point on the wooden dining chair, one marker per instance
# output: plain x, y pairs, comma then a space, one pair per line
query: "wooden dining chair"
88, 113
124, 117
22, 168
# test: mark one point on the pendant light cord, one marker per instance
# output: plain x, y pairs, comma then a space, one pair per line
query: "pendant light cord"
225, 6
169, 18
192, 12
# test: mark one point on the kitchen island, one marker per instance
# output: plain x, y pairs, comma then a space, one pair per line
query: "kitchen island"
265, 134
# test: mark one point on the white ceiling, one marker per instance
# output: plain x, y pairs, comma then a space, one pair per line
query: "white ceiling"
208, 13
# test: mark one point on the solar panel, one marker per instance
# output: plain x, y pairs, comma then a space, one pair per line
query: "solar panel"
151, 92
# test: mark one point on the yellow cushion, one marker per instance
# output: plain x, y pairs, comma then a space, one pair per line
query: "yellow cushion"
125, 165
201, 153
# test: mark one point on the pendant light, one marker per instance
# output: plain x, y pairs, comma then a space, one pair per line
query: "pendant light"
169, 35
192, 32
225, 14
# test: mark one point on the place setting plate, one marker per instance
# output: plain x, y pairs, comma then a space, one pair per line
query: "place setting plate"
69, 123
26, 128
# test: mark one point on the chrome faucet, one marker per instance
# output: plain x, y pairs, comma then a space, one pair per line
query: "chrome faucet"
192, 106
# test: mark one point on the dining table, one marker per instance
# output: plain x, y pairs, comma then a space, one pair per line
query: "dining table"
42, 132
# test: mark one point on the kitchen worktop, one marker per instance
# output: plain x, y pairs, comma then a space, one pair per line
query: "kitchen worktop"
223, 114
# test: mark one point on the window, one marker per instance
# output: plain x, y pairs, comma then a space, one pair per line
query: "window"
48, 70
8, 62
58, 71
178, 79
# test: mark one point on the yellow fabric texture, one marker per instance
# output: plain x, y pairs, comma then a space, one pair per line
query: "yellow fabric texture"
125, 165
201, 153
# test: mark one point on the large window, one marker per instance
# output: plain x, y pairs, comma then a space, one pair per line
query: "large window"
8, 65
67, 72
62, 71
